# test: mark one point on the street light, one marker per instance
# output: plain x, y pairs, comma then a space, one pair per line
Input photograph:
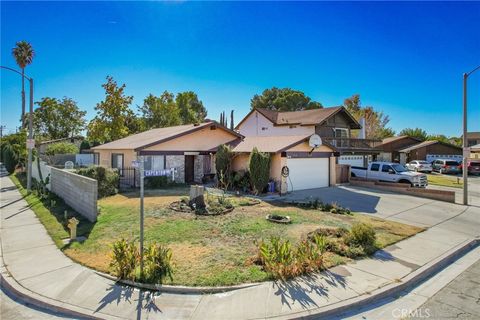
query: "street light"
30, 128
465, 140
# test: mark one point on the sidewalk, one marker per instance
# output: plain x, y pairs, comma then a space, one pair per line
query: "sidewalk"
32, 260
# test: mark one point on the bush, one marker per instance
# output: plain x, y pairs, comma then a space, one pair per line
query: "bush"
158, 264
223, 165
85, 145
125, 262
123, 259
362, 235
61, 148
241, 180
10, 159
283, 261
107, 179
259, 170
156, 182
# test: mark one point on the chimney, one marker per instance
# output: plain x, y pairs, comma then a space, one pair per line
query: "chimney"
362, 134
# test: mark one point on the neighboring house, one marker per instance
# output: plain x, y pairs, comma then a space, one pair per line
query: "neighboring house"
188, 149
390, 147
308, 168
333, 125
475, 151
77, 140
429, 151
473, 138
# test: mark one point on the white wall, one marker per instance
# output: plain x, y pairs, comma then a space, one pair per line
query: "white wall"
258, 125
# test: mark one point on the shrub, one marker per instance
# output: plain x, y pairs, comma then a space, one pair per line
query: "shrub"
259, 170
362, 235
123, 259
85, 145
223, 165
107, 179
125, 262
61, 148
156, 182
158, 264
283, 261
10, 159
241, 180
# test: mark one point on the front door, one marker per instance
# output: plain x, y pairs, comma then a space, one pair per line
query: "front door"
189, 171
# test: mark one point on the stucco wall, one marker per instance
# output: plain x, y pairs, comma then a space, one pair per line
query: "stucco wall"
77, 191
106, 157
305, 147
257, 125
240, 162
201, 140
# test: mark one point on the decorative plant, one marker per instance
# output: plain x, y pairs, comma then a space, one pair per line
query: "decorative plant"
362, 235
259, 168
107, 179
223, 165
158, 264
124, 258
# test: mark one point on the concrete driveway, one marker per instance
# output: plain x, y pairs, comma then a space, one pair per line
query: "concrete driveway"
396, 207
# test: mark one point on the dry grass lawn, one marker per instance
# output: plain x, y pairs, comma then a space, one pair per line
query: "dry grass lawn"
212, 250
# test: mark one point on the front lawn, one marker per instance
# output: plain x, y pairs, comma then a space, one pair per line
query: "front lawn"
213, 250
444, 180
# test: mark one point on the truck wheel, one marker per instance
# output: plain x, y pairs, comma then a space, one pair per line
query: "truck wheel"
406, 181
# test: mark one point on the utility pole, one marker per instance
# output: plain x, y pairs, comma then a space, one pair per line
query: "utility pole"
465, 139
142, 178
30, 138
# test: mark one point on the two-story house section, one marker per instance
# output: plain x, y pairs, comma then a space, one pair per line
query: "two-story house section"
334, 125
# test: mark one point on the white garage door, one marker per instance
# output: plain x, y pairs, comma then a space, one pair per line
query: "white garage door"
354, 161
307, 173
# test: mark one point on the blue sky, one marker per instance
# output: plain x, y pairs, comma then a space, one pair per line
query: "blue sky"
405, 59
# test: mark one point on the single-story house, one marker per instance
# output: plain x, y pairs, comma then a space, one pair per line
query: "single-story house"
308, 168
188, 149
429, 151
473, 138
390, 147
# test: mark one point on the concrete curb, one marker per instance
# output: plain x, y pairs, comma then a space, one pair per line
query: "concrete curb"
178, 289
409, 281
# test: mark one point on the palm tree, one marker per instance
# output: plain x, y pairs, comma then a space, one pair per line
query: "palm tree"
23, 54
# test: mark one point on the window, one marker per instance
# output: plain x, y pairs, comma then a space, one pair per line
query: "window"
386, 168
96, 158
341, 133
117, 160
154, 162
374, 167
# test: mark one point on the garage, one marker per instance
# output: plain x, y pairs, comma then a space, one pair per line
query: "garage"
353, 160
307, 173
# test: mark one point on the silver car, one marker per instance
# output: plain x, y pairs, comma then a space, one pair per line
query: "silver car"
419, 166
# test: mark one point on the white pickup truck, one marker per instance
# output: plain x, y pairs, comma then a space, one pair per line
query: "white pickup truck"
390, 172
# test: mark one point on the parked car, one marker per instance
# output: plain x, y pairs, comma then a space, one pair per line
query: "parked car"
390, 172
473, 166
446, 166
419, 166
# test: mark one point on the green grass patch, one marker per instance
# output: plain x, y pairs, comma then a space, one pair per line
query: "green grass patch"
444, 180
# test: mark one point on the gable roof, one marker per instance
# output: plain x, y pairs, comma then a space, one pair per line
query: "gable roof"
303, 117
397, 138
427, 143
155, 136
272, 144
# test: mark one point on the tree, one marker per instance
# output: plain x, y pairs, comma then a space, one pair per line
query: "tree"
158, 112
114, 119
223, 165
13, 149
375, 121
284, 99
23, 53
56, 119
61, 148
415, 133
259, 168
191, 108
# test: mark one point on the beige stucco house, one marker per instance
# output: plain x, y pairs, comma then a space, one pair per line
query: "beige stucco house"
188, 149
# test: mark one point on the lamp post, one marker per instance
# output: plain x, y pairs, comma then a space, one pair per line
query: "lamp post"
465, 140
30, 128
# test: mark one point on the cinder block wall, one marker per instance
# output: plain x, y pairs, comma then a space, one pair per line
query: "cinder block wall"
77, 191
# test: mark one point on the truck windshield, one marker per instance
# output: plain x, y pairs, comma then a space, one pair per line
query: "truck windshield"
398, 168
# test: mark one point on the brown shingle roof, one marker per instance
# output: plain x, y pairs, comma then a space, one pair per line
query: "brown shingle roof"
304, 117
393, 139
155, 136
425, 144
270, 144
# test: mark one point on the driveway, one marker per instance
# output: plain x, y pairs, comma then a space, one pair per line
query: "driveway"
473, 191
388, 205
